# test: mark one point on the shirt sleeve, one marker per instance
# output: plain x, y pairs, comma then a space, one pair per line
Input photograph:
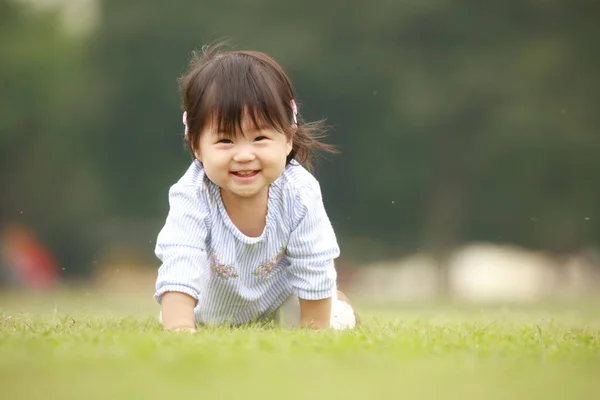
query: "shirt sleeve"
181, 244
312, 248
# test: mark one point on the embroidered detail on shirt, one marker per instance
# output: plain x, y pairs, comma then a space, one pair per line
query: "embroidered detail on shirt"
225, 271
267, 266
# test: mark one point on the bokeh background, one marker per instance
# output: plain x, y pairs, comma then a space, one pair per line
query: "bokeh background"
469, 138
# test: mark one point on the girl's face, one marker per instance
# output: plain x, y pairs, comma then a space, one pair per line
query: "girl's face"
245, 165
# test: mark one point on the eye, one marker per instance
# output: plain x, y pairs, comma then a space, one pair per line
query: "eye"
225, 141
260, 138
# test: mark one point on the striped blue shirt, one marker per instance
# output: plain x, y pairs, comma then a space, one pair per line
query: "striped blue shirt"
235, 278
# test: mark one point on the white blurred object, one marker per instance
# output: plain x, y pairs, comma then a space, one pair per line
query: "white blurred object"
342, 314
501, 273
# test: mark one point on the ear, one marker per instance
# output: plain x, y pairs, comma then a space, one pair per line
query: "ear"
197, 154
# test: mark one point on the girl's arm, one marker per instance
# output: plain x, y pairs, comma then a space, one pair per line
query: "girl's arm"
315, 314
311, 251
181, 248
178, 311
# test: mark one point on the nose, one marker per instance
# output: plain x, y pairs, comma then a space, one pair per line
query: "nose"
244, 153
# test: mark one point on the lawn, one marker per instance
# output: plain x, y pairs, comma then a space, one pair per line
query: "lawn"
83, 346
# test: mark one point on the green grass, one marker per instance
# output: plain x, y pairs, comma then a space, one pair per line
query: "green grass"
108, 347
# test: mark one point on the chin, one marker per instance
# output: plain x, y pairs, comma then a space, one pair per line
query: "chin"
245, 194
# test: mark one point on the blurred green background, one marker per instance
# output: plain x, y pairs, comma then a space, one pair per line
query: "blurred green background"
459, 123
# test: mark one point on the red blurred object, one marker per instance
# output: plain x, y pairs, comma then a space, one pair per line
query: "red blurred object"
29, 262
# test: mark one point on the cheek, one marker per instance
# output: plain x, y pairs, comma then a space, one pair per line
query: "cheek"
214, 161
214, 172
279, 154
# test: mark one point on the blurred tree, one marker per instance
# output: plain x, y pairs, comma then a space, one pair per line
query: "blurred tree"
425, 99
457, 121
45, 179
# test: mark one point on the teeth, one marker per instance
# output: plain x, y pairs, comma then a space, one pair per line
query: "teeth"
245, 172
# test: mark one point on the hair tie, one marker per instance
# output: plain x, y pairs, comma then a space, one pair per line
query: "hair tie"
185, 122
294, 111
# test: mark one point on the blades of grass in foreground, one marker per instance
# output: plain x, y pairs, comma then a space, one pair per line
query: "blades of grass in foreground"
53, 355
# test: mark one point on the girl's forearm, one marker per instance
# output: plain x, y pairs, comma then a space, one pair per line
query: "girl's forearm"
177, 311
315, 314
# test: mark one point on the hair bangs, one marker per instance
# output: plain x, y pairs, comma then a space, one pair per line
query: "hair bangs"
242, 97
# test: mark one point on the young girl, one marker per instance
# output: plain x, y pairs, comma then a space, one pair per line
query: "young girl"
247, 237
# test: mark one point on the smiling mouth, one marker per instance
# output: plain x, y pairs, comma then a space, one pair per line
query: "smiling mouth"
245, 174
